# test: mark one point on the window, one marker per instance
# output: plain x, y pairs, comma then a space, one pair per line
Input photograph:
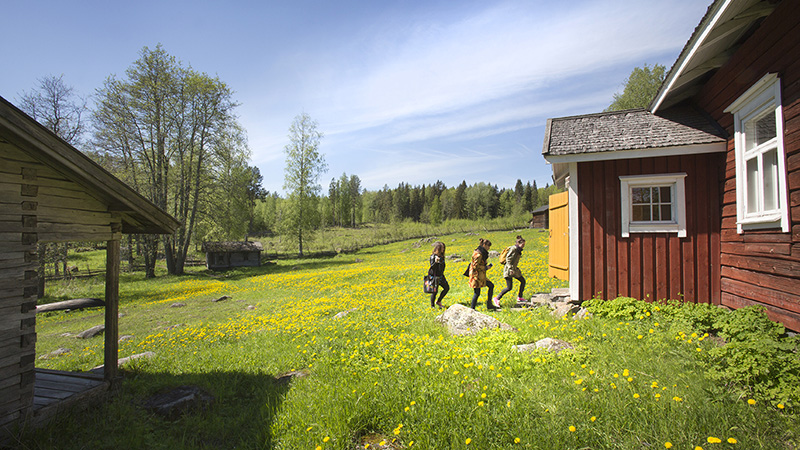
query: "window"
653, 204
760, 161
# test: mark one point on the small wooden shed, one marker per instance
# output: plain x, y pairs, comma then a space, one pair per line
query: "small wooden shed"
225, 255
540, 217
51, 192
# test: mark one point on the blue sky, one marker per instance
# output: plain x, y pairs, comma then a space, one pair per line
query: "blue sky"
404, 91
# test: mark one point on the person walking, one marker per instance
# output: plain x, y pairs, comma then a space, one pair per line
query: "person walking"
511, 270
437, 270
477, 274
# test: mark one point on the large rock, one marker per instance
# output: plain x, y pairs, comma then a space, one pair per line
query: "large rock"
179, 401
92, 332
55, 353
547, 344
562, 308
461, 320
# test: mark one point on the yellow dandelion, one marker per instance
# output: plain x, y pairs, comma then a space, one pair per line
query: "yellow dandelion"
516, 440
667, 444
593, 418
751, 402
468, 441
326, 439
635, 395
713, 440
571, 429
732, 440
780, 406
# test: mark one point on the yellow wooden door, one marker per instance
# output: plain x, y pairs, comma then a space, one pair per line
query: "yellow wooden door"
559, 236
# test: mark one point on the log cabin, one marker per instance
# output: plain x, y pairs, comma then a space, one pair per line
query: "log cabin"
51, 192
697, 196
226, 255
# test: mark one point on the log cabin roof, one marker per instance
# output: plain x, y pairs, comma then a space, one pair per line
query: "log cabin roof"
138, 214
635, 129
230, 247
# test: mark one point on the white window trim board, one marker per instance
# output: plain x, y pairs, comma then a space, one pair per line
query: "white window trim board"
678, 204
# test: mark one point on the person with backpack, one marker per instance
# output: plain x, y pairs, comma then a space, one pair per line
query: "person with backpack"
437, 270
510, 258
477, 274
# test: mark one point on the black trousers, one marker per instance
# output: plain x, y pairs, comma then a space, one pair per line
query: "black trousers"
510, 284
444, 288
477, 294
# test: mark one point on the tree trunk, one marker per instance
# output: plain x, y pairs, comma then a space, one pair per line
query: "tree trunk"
300, 236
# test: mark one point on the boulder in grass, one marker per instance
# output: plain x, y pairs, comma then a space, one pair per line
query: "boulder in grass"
221, 299
344, 313
461, 320
177, 305
55, 353
553, 345
92, 332
182, 400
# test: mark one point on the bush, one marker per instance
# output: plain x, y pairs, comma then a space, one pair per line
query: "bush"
756, 358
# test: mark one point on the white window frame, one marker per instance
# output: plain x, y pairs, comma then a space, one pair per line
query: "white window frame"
678, 222
764, 96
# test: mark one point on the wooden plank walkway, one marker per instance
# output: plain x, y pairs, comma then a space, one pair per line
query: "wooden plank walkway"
56, 390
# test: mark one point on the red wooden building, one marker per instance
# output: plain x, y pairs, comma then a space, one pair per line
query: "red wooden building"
696, 197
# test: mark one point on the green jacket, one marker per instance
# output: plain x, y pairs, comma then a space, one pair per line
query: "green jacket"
511, 269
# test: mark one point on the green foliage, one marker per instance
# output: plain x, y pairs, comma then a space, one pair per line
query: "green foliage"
640, 88
755, 360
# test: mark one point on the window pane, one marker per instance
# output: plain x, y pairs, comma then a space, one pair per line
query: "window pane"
641, 213
666, 194
759, 131
666, 212
752, 185
770, 161
640, 195
656, 195
765, 129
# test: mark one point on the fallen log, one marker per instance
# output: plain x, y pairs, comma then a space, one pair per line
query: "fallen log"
76, 303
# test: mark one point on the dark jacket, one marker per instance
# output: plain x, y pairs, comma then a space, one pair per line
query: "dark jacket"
437, 266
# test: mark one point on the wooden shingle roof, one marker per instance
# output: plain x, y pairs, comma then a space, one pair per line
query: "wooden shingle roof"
228, 247
636, 129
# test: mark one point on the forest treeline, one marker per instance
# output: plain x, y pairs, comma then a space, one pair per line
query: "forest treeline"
348, 205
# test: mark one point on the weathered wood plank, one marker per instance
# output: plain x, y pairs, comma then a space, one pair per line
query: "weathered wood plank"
757, 248
760, 294
788, 285
111, 335
789, 319
764, 264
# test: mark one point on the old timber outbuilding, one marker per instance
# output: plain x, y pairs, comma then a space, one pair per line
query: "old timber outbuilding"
696, 197
51, 192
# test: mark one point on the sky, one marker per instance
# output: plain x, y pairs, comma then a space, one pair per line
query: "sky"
403, 90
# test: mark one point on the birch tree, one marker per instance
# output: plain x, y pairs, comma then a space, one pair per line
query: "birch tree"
304, 165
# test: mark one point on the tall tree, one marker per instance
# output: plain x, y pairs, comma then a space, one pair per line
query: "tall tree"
304, 165
354, 185
640, 88
55, 105
167, 127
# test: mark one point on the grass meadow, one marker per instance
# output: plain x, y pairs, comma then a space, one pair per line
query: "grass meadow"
386, 375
